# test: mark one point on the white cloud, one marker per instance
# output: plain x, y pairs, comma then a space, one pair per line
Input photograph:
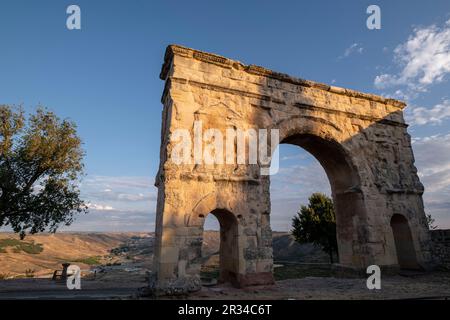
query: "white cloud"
353, 48
123, 189
117, 203
99, 207
299, 156
424, 59
134, 197
433, 159
433, 163
119, 181
114, 221
423, 116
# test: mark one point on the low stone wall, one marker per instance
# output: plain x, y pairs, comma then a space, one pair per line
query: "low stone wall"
441, 247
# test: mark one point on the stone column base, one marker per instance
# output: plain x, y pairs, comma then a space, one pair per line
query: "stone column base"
184, 286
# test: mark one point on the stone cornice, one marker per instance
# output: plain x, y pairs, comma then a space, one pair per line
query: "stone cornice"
261, 71
276, 101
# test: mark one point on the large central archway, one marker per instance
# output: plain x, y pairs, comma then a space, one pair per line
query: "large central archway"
345, 187
360, 139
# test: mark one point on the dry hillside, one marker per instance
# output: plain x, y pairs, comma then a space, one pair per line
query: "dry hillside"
40, 255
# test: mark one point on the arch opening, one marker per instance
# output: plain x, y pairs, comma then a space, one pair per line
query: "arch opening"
345, 190
404, 246
220, 259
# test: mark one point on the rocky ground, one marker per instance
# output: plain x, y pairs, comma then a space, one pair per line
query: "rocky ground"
118, 284
122, 264
419, 286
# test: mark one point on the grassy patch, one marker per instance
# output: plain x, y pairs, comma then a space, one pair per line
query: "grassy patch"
18, 246
286, 271
31, 248
209, 272
89, 260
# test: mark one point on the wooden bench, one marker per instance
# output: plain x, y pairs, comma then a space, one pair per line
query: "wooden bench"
61, 274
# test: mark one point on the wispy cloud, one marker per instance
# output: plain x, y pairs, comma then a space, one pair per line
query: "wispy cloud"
424, 59
352, 49
117, 203
119, 181
114, 221
123, 189
299, 156
432, 155
423, 116
99, 207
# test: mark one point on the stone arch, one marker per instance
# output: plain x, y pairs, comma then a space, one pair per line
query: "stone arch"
318, 138
229, 246
343, 175
360, 139
230, 252
404, 245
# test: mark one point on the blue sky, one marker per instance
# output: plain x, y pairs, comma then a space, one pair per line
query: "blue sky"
105, 78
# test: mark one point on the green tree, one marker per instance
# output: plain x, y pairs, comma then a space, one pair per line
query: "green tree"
316, 223
40, 167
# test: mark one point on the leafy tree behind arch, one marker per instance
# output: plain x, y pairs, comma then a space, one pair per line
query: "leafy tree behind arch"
316, 223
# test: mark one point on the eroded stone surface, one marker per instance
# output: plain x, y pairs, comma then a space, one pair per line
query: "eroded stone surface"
360, 139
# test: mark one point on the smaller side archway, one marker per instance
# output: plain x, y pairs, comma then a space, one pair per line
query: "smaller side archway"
406, 253
229, 246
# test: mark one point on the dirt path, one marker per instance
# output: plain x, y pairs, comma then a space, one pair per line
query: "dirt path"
117, 285
432, 285
126, 286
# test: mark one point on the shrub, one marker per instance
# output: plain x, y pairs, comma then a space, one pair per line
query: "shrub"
29, 273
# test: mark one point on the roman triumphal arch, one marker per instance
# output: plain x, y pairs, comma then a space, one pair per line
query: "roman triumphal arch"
360, 140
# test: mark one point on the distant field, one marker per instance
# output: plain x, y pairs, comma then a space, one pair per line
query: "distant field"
40, 255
